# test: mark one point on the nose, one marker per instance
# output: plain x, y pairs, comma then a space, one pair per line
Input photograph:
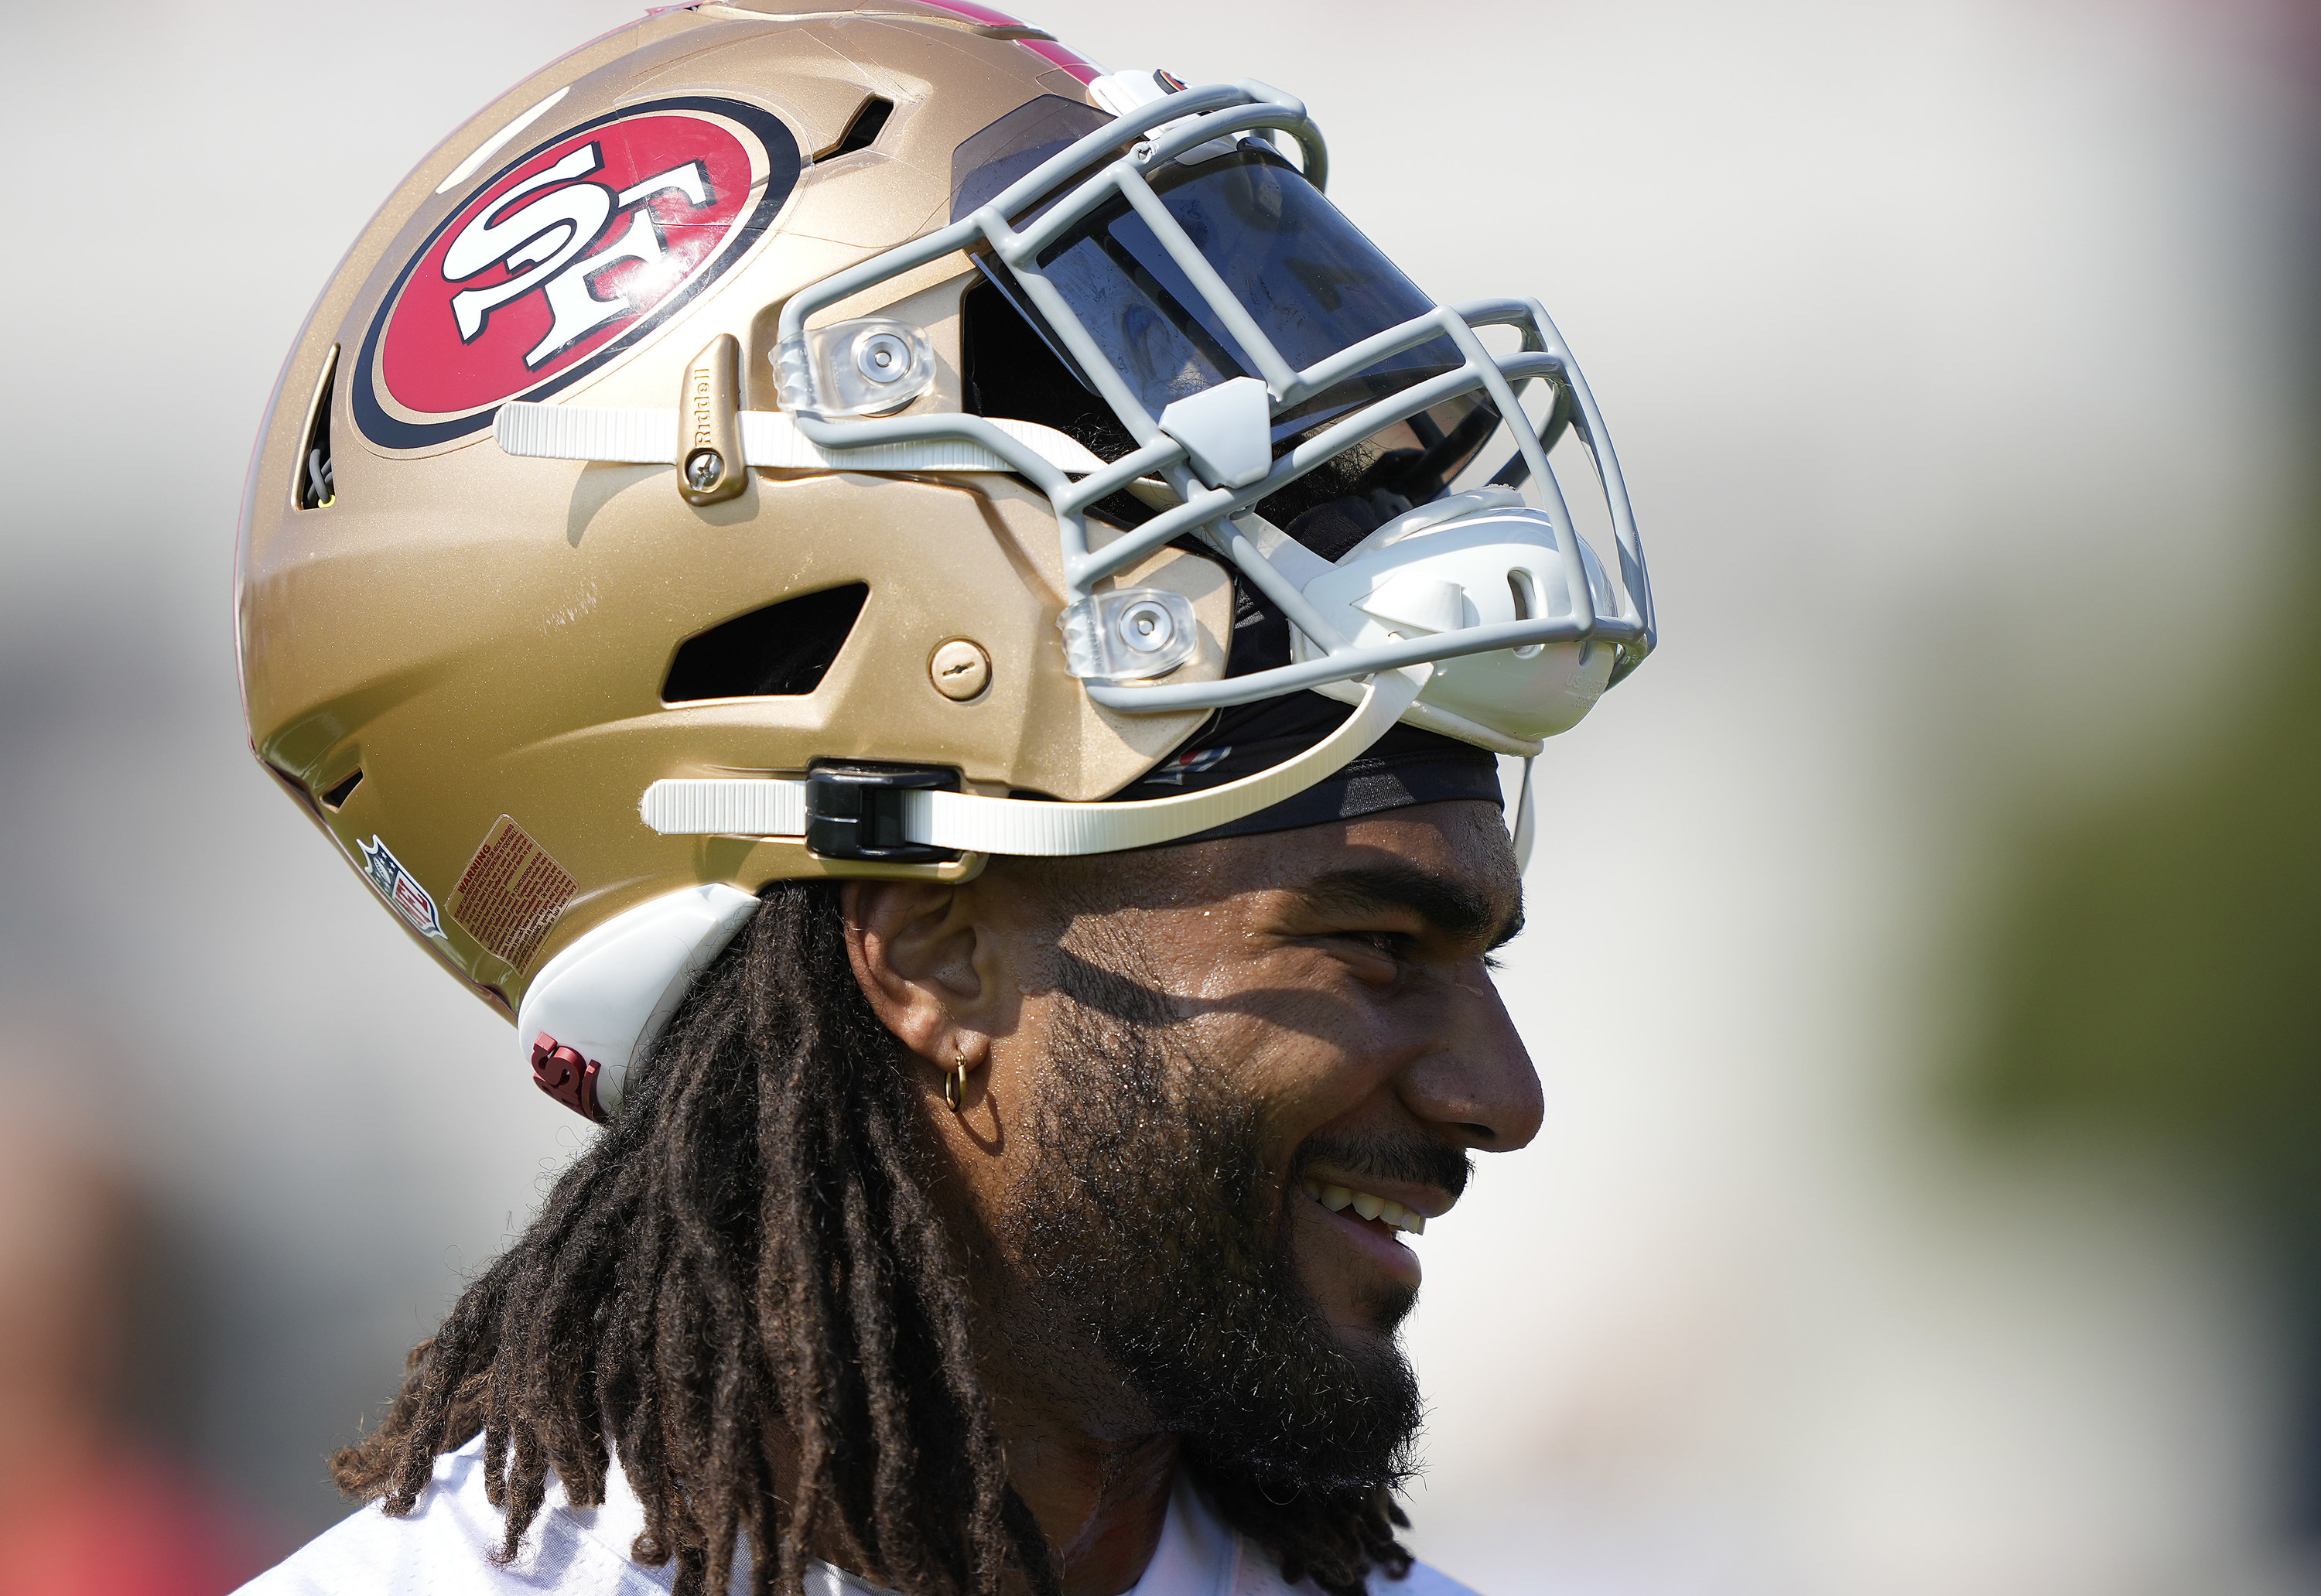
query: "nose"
1476, 1085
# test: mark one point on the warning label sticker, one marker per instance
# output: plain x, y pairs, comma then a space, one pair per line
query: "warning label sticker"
511, 893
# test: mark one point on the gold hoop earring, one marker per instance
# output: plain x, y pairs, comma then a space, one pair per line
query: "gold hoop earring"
955, 1084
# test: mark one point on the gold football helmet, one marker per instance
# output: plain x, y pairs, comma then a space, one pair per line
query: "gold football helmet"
782, 439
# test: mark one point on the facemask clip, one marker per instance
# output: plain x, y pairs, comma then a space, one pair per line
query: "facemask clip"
1135, 634
872, 366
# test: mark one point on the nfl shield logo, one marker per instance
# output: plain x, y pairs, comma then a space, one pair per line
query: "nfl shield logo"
396, 885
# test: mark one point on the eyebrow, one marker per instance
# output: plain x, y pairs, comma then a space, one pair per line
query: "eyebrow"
1458, 912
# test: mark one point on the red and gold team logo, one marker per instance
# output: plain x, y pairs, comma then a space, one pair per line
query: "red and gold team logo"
570, 254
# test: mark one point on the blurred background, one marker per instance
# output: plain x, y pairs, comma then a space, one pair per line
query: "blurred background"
1925, 967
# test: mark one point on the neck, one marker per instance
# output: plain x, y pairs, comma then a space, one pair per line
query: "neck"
1086, 1456
1085, 1453
1101, 1503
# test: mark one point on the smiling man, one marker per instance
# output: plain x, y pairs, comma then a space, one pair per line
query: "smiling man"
990, 798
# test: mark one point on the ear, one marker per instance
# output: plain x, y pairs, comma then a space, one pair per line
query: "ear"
925, 964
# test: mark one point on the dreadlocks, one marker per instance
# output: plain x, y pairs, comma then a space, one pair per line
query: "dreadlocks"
743, 1288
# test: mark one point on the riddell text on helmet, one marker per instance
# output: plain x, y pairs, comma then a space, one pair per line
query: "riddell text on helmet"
565, 257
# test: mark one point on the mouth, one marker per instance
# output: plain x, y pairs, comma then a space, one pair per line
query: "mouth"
1381, 1211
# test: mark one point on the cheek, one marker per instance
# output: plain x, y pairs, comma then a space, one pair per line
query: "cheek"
1306, 1056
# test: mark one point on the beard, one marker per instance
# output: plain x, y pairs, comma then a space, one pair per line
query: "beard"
1155, 1230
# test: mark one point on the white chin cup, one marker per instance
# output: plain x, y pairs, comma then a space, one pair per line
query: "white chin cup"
606, 999
1492, 567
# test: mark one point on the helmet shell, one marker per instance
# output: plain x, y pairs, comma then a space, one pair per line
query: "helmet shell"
455, 658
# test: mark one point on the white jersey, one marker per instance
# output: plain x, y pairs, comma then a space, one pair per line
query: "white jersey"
445, 1546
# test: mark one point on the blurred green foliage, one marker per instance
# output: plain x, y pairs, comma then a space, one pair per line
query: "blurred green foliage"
2156, 969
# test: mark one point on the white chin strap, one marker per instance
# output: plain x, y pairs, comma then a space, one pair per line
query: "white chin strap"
770, 440
774, 806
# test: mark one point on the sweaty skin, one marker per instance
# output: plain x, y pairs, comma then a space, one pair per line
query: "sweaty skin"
1342, 969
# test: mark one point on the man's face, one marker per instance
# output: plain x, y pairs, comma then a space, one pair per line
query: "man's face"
1198, 1041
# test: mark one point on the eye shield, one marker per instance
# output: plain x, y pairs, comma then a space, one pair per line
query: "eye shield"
1309, 281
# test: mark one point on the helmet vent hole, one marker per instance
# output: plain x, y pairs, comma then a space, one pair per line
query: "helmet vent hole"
863, 132
313, 488
780, 651
1526, 607
336, 799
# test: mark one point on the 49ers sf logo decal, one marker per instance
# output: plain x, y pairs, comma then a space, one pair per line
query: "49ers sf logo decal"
568, 255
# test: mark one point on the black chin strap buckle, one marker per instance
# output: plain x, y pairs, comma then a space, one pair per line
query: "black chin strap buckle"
854, 810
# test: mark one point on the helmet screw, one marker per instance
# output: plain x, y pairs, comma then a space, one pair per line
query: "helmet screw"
1146, 627
882, 356
959, 670
703, 467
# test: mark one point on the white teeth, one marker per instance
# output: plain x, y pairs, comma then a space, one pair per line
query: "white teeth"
1337, 1199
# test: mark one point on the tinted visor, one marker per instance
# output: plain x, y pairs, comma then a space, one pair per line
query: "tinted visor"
1310, 280
1306, 275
